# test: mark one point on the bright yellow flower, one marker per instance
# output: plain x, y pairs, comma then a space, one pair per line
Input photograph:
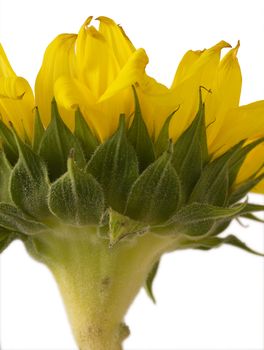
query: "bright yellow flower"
94, 71
16, 98
117, 169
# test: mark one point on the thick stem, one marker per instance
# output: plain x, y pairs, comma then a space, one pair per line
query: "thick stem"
98, 283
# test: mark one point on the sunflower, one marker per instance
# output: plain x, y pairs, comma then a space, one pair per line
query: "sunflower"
104, 170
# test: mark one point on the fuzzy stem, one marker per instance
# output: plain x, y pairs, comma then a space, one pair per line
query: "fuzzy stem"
98, 283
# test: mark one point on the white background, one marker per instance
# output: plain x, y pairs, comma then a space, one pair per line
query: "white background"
206, 301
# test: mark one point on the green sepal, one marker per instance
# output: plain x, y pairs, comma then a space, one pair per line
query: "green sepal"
6, 237
13, 219
215, 242
25, 136
29, 183
150, 280
198, 219
244, 188
76, 197
239, 157
138, 136
162, 142
85, 136
114, 165
56, 144
253, 217
251, 207
121, 226
196, 213
191, 153
38, 131
5, 171
213, 184
156, 194
8, 143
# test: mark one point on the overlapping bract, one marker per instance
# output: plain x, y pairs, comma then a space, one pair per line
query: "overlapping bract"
122, 186
94, 71
121, 151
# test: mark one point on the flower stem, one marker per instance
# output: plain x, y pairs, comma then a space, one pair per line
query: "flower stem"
98, 283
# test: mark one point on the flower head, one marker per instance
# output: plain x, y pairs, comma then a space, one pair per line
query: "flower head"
94, 71
106, 169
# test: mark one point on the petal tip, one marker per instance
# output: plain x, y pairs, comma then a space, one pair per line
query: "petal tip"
222, 44
87, 22
235, 49
106, 20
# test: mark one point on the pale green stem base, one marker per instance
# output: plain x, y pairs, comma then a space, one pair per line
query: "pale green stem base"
98, 283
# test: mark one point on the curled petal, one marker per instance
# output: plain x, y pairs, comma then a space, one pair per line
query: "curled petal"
13, 87
70, 93
97, 66
116, 39
133, 72
59, 59
5, 68
225, 94
102, 117
16, 98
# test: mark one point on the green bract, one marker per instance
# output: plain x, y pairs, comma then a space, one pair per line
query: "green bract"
95, 212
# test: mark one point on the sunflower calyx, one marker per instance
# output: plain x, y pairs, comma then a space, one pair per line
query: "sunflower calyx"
71, 179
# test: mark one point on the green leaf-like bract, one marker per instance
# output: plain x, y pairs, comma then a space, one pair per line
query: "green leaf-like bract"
190, 153
39, 131
162, 142
8, 142
5, 171
56, 144
114, 165
6, 237
64, 178
139, 137
84, 135
213, 184
13, 219
156, 194
150, 280
121, 226
198, 220
215, 242
76, 197
29, 183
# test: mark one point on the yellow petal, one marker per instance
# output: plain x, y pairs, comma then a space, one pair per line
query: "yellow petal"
206, 64
16, 98
259, 188
70, 93
245, 122
185, 94
201, 73
97, 66
13, 87
102, 117
5, 68
225, 93
253, 163
59, 59
116, 39
186, 63
133, 72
